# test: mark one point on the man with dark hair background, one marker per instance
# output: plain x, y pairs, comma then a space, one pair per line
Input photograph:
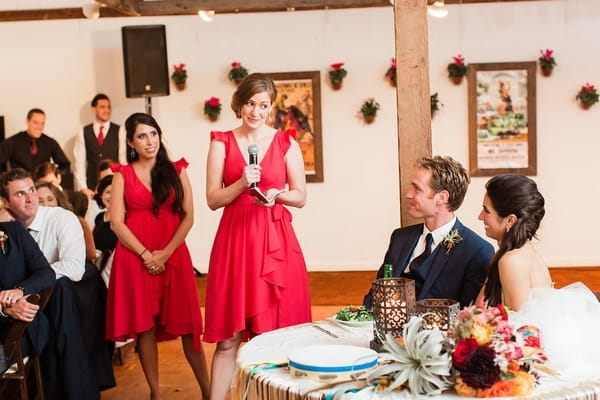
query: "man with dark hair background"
96, 141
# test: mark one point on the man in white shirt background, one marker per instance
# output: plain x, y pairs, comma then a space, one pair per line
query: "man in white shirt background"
99, 140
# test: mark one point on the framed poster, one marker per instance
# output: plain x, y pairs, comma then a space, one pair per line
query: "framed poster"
502, 118
298, 107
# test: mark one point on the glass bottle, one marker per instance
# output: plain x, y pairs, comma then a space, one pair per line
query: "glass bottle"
388, 271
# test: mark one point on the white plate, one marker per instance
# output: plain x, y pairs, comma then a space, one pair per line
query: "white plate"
332, 358
355, 324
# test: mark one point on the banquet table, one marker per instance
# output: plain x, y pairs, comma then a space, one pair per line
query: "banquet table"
263, 373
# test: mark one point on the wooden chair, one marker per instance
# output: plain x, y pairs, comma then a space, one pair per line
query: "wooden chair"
13, 351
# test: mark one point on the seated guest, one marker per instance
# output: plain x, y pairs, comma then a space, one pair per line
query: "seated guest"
512, 211
103, 170
445, 258
47, 172
104, 237
51, 196
66, 363
23, 270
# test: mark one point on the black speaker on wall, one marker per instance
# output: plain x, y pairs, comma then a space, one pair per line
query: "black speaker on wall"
145, 60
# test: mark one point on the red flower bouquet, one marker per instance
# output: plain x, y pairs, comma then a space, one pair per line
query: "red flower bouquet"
490, 357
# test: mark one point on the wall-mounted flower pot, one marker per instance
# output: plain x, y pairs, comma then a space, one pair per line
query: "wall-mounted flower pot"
457, 80
337, 85
369, 119
585, 106
546, 71
180, 86
212, 118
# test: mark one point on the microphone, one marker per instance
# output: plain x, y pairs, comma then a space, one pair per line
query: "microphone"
253, 159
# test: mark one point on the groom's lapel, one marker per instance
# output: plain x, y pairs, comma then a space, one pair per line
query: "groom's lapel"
439, 259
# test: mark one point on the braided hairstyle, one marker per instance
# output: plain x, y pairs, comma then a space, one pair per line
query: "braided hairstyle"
164, 176
518, 195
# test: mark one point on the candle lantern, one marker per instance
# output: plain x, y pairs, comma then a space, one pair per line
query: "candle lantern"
393, 305
438, 313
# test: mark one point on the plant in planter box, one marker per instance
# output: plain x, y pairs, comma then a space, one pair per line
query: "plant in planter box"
212, 108
547, 62
179, 76
337, 73
588, 95
369, 110
457, 69
237, 72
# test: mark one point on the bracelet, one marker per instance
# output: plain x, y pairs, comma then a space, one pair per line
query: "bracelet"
3, 315
142, 253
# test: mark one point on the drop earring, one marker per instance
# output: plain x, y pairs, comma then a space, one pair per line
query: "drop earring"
132, 153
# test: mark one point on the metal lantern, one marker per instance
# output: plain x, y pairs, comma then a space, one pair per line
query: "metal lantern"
393, 304
438, 313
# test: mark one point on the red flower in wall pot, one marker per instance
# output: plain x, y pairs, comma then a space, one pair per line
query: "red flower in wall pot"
212, 108
337, 73
587, 96
179, 76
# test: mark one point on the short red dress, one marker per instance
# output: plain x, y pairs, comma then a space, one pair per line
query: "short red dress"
257, 278
137, 300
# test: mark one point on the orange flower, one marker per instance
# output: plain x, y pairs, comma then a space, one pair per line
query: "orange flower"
498, 389
462, 389
524, 383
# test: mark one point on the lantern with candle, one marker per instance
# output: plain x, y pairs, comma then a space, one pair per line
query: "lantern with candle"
393, 305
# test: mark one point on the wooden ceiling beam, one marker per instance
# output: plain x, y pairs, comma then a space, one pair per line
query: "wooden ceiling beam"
127, 8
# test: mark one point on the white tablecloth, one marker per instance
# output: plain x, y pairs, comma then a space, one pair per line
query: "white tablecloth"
263, 375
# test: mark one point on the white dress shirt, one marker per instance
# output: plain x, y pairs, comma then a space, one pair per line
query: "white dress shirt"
80, 158
59, 234
438, 235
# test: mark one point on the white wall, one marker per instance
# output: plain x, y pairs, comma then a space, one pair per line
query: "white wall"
60, 65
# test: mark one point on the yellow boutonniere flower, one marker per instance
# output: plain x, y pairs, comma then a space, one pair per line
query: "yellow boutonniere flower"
451, 240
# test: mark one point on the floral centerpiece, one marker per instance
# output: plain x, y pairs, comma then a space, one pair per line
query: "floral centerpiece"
212, 108
491, 358
237, 72
391, 72
588, 95
369, 110
179, 76
421, 362
337, 73
457, 69
547, 62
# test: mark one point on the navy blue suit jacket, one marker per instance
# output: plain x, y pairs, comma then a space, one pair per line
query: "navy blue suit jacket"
23, 264
457, 274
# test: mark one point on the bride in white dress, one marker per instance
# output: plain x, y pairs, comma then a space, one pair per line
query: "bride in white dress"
568, 318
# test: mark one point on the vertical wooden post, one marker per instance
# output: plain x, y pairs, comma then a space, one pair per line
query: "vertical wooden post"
413, 102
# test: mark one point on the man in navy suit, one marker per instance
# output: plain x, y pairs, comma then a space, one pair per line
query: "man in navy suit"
452, 262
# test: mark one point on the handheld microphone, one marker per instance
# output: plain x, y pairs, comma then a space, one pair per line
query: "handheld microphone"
253, 159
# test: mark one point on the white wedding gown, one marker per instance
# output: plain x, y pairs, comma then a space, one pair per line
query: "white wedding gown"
569, 323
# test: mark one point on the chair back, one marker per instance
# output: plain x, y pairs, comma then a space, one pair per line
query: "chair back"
14, 352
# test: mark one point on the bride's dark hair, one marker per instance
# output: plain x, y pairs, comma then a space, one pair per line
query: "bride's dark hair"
518, 195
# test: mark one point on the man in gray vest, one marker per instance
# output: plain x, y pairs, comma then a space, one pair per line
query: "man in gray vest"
99, 140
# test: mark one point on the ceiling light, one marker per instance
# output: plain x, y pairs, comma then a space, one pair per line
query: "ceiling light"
437, 9
91, 10
206, 15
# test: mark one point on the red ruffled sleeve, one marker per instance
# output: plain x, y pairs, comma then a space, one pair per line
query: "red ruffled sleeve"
181, 164
117, 167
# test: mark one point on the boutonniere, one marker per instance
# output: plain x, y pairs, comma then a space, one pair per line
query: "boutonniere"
3, 239
451, 240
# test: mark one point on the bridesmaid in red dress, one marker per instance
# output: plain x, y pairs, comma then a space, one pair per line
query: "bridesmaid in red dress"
257, 277
152, 291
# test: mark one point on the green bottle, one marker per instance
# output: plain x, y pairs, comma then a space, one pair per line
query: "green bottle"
387, 271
